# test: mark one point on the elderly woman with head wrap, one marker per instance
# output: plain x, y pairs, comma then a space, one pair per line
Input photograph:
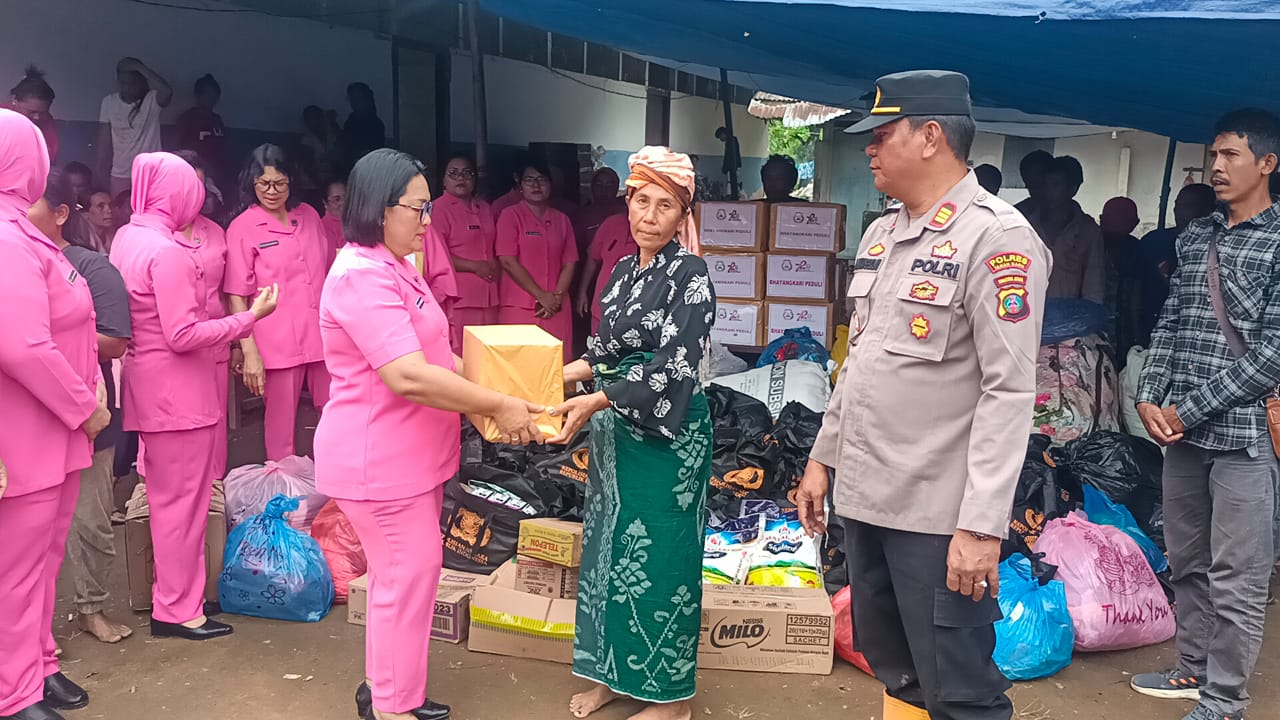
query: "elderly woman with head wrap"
640, 592
170, 394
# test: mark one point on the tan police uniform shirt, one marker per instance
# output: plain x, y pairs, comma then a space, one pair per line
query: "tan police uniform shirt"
928, 425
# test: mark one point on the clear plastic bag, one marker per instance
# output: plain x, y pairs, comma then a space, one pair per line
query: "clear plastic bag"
249, 487
273, 571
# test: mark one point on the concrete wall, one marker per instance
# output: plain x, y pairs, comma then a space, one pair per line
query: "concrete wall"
531, 103
269, 67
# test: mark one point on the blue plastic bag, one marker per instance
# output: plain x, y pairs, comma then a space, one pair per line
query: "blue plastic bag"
795, 344
271, 570
1102, 511
1035, 638
1069, 318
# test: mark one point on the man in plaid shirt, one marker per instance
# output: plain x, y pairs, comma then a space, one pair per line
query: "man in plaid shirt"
1221, 471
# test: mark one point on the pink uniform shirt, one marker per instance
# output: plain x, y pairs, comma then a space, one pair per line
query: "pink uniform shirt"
332, 225
169, 371
262, 251
512, 197
543, 247
49, 353
370, 442
611, 243
468, 231
211, 247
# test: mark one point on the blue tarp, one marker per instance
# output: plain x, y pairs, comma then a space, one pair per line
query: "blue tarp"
1166, 66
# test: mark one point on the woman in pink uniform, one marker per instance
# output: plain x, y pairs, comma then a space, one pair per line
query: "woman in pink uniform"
610, 243
170, 392
395, 382
209, 241
538, 252
54, 405
466, 224
279, 240
335, 197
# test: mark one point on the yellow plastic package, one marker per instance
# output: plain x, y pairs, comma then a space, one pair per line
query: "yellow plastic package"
524, 361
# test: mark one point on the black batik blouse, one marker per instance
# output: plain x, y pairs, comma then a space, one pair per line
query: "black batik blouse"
665, 309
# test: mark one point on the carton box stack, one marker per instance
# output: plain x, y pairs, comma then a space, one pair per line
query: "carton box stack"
453, 603
773, 268
548, 557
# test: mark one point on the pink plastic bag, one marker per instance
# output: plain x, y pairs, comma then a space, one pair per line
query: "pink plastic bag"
341, 546
1113, 596
842, 603
249, 487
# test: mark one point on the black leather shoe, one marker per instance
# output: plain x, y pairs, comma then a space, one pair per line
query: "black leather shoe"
62, 694
39, 711
209, 630
212, 608
427, 711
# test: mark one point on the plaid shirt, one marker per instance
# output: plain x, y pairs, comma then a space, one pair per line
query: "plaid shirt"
1220, 399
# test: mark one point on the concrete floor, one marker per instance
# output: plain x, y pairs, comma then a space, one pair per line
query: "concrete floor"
245, 675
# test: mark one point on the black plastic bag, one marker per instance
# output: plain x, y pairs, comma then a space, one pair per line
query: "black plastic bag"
744, 455
796, 430
481, 515
559, 476
1044, 493
1105, 460
835, 571
1148, 497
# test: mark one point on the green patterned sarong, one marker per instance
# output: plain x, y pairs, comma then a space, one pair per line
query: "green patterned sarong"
640, 589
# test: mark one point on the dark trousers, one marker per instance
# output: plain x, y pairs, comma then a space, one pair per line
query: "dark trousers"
929, 646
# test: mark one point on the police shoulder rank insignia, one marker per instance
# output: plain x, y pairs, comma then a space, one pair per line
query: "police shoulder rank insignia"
920, 327
924, 291
943, 216
1008, 261
876, 250
946, 250
1011, 298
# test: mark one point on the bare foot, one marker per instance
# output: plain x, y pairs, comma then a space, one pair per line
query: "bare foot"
585, 703
391, 716
101, 627
198, 622
665, 711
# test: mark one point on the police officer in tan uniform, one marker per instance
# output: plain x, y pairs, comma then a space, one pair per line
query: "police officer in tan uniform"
928, 426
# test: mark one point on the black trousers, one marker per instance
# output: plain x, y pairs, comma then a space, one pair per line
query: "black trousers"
929, 646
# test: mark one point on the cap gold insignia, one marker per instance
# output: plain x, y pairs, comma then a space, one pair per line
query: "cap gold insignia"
878, 109
945, 251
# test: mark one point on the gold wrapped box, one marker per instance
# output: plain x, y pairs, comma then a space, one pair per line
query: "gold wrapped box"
524, 361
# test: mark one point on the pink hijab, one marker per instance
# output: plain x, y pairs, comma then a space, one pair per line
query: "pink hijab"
24, 168
167, 193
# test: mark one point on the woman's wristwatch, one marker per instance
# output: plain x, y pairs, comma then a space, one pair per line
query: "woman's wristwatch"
980, 537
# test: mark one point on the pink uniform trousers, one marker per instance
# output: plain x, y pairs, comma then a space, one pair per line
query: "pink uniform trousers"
465, 317
179, 485
560, 325
35, 540
222, 378
280, 393
402, 541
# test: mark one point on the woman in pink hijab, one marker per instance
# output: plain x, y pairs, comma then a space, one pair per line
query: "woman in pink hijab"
170, 390
54, 405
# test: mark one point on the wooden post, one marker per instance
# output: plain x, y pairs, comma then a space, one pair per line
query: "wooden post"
479, 103
1165, 190
731, 143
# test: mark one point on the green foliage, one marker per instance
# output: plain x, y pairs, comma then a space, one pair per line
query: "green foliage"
796, 142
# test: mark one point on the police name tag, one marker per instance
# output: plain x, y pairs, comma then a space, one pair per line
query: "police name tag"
928, 266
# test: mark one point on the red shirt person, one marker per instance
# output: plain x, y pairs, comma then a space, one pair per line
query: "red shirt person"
537, 250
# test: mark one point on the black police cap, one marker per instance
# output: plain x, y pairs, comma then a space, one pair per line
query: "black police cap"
917, 93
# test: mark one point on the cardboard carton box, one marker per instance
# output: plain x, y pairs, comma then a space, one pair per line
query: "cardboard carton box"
733, 226
556, 541
509, 622
736, 275
539, 577
140, 562
521, 360
738, 322
766, 629
782, 315
453, 602
358, 601
803, 277
807, 227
